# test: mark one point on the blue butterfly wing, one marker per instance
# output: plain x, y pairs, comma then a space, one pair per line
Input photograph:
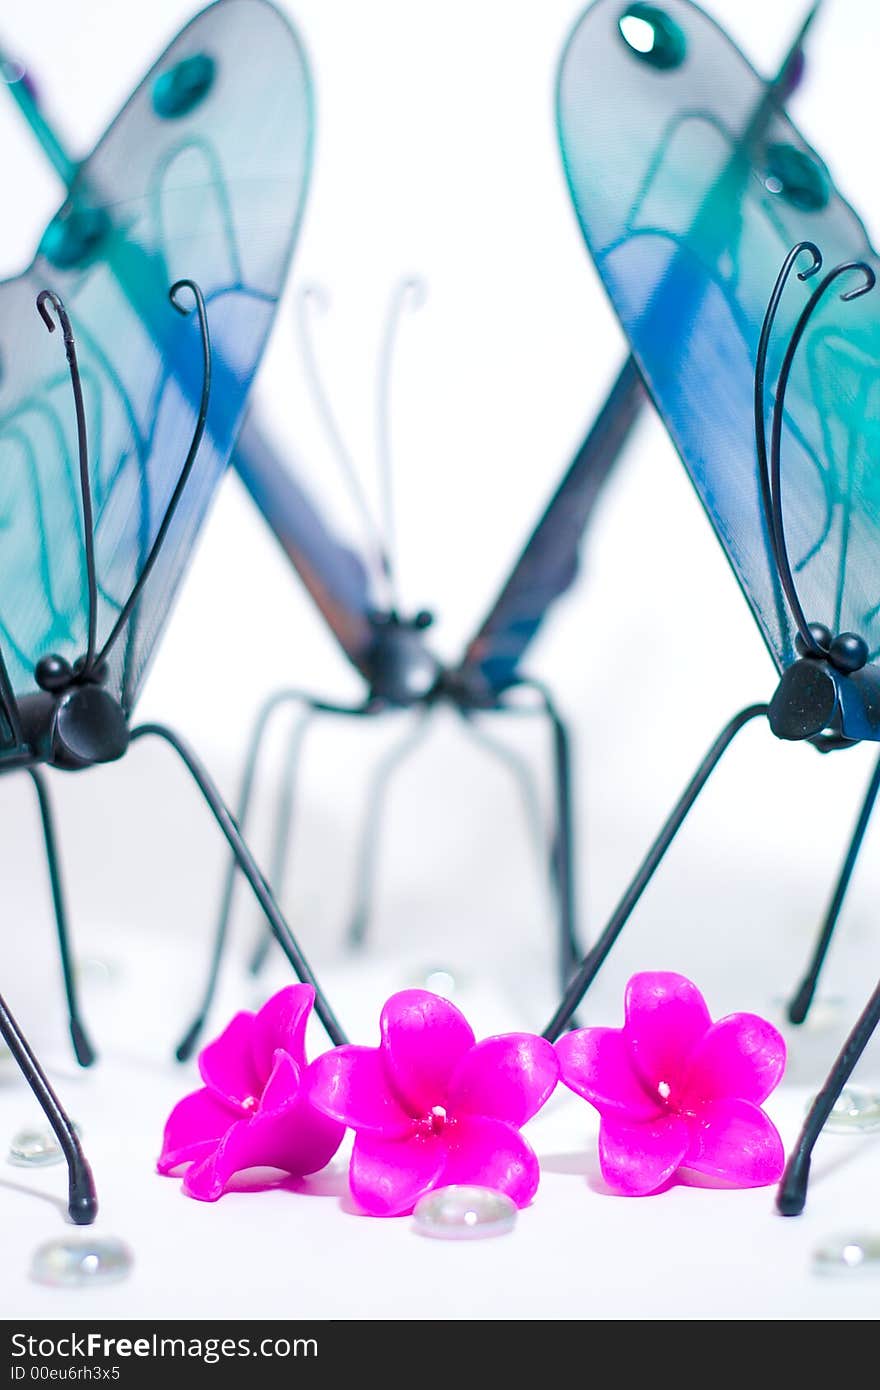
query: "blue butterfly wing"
549, 562
334, 574
203, 174
690, 187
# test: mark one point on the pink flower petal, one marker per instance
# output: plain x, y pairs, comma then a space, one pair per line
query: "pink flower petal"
666, 1016
509, 1077
226, 1064
423, 1039
194, 1129
388, 1176
740, 1056
350, 1085
596, 1063
292, 1136
734, 1140
636, 1159
493, 1154
281, 1023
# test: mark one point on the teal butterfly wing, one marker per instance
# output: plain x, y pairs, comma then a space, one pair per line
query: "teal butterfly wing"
690, 186
203, 174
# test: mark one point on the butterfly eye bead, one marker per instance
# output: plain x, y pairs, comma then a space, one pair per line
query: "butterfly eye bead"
53, 673
848, 652
820, 634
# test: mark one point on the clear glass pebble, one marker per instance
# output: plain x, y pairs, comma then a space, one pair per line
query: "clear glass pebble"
846, 1255
35, 1148
856, 1111
464, 1213
80, 1262
98, 970
441, 982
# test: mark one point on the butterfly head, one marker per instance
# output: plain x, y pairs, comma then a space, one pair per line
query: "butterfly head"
72, 721
400, 667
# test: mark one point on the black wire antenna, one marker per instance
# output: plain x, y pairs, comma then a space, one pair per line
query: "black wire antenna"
94, 658
814, 638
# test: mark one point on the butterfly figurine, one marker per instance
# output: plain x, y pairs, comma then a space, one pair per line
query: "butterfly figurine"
400, 672
157, 281
742, 280
390, 651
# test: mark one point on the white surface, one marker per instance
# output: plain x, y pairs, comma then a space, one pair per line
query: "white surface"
301, 1251
436, 153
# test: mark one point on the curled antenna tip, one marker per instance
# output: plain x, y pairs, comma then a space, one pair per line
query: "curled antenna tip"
414, 288
816, 257
174, 295
44, 299
859, 290
313, 292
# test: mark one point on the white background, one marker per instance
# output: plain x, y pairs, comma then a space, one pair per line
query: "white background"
436, 154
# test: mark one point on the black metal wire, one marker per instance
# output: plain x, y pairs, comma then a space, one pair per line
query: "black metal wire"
82, 1203
780, 547
791, 1195
10, 704
85, 1052
198, 432
45, 298
249, 867
595, 958
760, 393
802, 999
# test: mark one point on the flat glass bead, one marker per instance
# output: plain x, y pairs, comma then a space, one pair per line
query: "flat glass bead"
78, 1262
848, 1255
35, 1148
856, 1111
461, 1212
441, 982
98, 970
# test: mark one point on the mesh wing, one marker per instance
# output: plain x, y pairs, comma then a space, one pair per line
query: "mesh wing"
691, 187
213, 193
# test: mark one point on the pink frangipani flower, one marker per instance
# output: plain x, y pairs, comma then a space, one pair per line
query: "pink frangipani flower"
675, 1090
252, 1111
431, 1107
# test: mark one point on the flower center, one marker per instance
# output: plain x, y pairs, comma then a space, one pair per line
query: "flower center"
664, 1090
437, 1119
435, 1122
249, 1103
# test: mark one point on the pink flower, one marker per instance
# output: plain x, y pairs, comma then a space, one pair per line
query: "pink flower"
676, 1090
251, 1111
431, 1107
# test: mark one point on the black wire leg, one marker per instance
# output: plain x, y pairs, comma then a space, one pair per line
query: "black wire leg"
258, 734
283, 827
791, 1196
519, 768
82, 1199
85, 1053
594, 959
802, 999
248, 866
366, 870
187, 1045
570, 950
